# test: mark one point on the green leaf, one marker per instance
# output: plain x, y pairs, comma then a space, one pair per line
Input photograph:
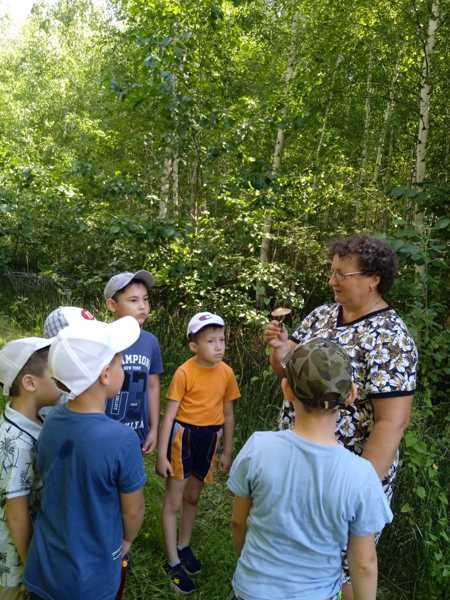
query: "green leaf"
420, 492
442, 224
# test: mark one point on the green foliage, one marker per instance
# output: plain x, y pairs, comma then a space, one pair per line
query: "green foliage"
144, 137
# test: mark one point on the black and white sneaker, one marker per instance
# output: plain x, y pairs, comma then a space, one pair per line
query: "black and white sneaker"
189, 561
179, 579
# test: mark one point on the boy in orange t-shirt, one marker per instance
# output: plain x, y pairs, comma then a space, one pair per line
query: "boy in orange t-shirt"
199, 408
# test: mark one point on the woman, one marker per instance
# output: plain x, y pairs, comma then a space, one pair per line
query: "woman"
382, 352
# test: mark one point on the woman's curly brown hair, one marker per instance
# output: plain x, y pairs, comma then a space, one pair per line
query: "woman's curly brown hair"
375, 257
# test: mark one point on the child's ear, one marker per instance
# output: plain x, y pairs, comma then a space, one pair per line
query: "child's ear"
352, 395
104, 375
28, 383
193, 347
287, 390
111, 305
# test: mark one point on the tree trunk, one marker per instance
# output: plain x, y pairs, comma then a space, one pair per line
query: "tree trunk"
325, 119
175, 185
279, 143
165, 188
386, 119
425, 96
365, 148
422, 136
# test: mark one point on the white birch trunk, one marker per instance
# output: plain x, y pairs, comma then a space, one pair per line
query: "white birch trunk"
387, 172
279, 143
175, 185
165, 188
386, 120
425, 95
365, 149
325, 118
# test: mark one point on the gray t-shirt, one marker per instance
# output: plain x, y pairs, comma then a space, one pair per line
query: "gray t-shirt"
306, 501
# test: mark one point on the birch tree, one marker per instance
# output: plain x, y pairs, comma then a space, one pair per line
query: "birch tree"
280, 137
425, 95
385, 126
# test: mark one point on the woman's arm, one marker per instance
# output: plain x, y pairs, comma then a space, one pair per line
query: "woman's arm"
391, 417
276, 337
241, 509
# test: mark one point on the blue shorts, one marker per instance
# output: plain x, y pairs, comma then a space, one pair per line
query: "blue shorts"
192, 449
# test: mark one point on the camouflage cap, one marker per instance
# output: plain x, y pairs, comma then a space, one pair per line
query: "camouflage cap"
319, 373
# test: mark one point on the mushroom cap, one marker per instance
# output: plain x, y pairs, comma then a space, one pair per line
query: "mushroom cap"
280, 312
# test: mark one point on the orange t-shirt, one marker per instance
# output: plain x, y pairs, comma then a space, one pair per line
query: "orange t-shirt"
201, 392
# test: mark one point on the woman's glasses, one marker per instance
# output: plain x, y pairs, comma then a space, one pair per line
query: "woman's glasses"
341, 276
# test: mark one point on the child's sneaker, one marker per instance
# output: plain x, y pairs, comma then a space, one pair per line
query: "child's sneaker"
190, 562
179, 579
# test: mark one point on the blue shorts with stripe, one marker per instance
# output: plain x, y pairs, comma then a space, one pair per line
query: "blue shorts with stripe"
192, 449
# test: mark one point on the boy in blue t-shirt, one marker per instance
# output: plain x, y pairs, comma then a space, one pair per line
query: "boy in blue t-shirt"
137, 403
300, 497
92, 471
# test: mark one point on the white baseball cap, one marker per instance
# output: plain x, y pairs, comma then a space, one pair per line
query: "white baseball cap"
203, 319
119, 281
63, 316
80, 352
14, 355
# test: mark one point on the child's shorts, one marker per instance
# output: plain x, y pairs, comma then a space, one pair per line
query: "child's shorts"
191, 450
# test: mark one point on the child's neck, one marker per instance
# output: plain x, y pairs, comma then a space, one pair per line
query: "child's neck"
27, 406
204, 363
92, 400
316, 427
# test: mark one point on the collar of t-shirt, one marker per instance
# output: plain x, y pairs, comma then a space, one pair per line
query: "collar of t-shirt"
22, 422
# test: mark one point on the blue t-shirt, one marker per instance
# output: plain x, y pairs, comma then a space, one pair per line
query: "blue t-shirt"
306, 501
86, 461
130, 405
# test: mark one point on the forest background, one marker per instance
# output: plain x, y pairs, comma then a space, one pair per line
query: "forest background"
221, 144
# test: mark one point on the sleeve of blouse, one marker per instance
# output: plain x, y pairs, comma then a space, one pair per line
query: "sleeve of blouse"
391, 366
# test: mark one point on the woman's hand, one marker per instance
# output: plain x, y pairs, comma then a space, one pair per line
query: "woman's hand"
275, 335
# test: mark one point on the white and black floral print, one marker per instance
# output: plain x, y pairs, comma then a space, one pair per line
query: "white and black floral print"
384, 360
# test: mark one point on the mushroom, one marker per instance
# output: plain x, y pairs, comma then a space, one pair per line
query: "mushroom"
280, 312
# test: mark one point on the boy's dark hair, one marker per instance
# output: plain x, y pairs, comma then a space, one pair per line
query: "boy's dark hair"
193, 336
375, 257
35, 365
125, 287
331, 399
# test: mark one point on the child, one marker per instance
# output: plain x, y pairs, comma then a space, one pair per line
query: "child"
26, 380
299, 495
61, 317
137, 403
199, 407
92, 470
